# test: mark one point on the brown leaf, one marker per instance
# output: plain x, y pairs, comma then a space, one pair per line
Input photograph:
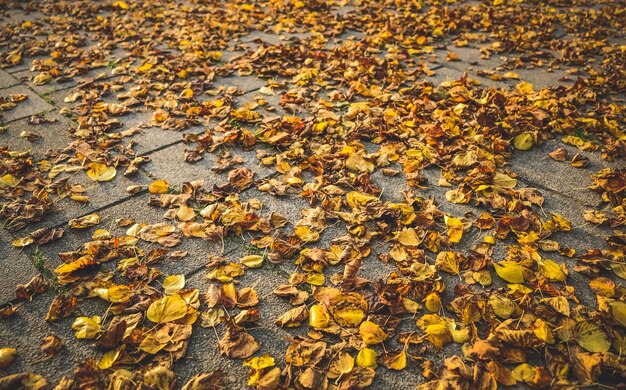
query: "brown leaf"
559, 154
238, 344
37, 285
51, 345
61, 307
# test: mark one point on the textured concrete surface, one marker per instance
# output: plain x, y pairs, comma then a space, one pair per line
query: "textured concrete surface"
34, 104
53, 136
563, 186
6, 80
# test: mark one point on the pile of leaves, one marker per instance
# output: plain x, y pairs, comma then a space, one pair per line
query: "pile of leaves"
479, 299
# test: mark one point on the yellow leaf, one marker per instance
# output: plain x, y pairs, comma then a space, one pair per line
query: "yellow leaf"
408, 237
7, 355
318, 317
448, 261
145, 67
410, 305
355, 198
503, 306
524, 87
342, 365
173, 284
371, 333
437, 32
252, 261
356, 162
460, 335
84, 222
100, 172
226, 273
120, 4
101, 234
511, 75
22, 242
316, 279
618, 311
42, 78
432, 302
457, 196
542, 331
78, 264
501, 180
438, 334
455, 229
108, 359
524, 141
366, 358
115, 294
511, 271
552, 271
524, 373
86, 328
350, 316
482, 277
602, 286
8, 181
158, 187
589, 336
306, 234
561, 222
167, 309
260, 362
396, 362
185, 213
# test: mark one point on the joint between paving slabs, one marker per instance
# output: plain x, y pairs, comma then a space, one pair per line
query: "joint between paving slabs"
50, 111
130, 197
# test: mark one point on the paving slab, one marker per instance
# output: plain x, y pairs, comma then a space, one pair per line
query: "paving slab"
273, 339
19, 16
16, 266
244, 83
274, 39
544, 78
54, 135
467, 56
151, 139
137, 208
6, 80
203, 353
33, 104
26, 331
26, 76
538, 168
169, 164
101, 195
563, 186
446, 73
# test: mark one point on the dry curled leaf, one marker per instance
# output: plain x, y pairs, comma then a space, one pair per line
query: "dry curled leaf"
84, 222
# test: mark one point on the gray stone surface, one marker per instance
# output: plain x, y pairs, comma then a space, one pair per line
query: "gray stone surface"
26, 331
101, 195
168, 164
537, 168
53, 85
16, 266
243, 83
34, 104
54, 136
6, 80
542, 78
563, 186
274, 39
